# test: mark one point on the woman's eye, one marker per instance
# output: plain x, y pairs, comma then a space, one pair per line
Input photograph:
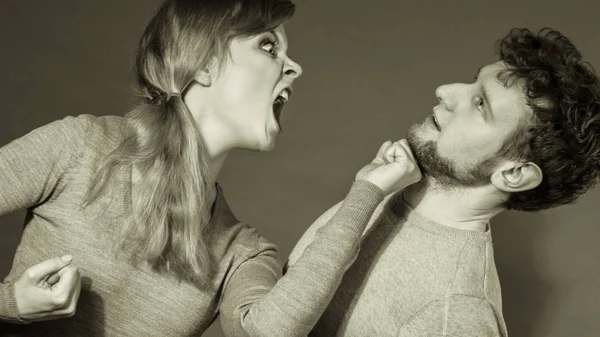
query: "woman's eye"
268, 46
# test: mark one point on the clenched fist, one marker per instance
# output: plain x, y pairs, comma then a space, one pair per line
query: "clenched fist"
393, 168
48, 290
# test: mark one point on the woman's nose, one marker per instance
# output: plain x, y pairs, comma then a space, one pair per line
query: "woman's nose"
292, 68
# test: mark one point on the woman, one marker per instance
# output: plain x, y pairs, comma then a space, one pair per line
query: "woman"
134, 201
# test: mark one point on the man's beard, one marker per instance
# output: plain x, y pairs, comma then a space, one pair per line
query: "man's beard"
441, 172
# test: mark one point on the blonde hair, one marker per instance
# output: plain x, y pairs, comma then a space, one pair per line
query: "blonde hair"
170, 227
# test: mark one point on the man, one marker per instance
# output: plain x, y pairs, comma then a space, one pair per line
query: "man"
525, 135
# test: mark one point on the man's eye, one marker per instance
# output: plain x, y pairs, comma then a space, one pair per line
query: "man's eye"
268, 46
480, 103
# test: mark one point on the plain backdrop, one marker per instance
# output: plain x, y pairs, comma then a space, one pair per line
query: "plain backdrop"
371, 69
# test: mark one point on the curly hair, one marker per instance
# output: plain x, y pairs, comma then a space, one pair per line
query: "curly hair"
563, 136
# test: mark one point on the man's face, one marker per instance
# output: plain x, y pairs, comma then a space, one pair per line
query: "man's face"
456, 146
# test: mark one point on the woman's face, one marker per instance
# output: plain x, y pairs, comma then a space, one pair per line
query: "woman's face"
247, 94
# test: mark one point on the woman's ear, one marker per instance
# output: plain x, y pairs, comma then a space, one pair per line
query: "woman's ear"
207, 75
204, 78
517, 176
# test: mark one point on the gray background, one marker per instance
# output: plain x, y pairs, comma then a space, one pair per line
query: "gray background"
370, 71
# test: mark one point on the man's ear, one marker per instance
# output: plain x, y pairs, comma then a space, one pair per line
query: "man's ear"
517, 177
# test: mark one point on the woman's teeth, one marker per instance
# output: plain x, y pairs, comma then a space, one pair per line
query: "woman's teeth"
278, 104
285, 95
278, 109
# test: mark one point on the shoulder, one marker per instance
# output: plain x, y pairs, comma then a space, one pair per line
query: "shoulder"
247, 242
456, 315
245, 238
66, 129
473, 316
102, 134
233, 237
74, 129
106, 129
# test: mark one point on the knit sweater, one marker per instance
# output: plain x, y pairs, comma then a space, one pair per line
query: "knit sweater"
413, 278
49, 171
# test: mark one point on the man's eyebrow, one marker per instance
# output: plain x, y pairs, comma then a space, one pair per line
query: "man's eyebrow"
486, 98
478, 71
485, 95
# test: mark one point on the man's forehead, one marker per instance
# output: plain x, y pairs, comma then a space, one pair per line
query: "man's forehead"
493, 68
508, 93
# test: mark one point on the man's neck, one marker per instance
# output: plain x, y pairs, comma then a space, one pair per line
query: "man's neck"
461, 208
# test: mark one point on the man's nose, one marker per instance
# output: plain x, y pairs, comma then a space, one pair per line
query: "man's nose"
444, 94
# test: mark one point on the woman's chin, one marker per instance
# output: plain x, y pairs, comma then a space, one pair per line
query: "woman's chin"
268, 144
268, 148
265, 144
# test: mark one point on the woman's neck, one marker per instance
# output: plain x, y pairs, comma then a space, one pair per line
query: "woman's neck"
215, 165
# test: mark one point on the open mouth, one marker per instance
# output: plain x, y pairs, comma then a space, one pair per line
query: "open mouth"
436, 123
279, 103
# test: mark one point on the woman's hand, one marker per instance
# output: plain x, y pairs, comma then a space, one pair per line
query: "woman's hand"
393, 168
48, 290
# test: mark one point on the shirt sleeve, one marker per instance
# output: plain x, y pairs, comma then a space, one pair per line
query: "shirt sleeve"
259, 302
456, 315
31, 167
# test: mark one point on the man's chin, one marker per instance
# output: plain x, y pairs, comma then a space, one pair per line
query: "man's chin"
436, 170
414, 137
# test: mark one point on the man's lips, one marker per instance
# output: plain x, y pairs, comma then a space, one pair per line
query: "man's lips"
436, 122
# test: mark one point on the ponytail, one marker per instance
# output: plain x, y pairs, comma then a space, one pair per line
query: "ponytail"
170, 208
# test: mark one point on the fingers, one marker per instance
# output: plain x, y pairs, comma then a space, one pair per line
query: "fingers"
397, 152
404, 144
52, 279
389, 150
40, 271
66, 291
48, 290
392, 153
414, 167
68, 279
383, 148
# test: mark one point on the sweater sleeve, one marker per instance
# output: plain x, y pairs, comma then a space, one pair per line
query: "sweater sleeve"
31, 167
456, 315
259, 302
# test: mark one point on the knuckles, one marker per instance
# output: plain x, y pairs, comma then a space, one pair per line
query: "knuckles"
71, 310
30, 274
71, 270
60, 300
